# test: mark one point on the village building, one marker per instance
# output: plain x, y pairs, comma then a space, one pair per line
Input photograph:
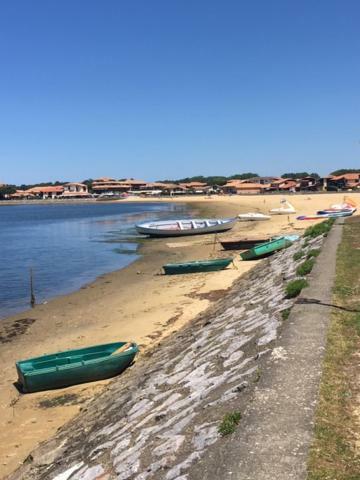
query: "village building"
284, 184
262, 180
75, 190
295, 185
46, 191
110, 186
158, 188
307, 183
134, 185
244, 187
21, 195
347, 181
194, 187
106, 185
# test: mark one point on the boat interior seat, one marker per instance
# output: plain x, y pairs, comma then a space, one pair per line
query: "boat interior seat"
56, 362
27, 367
94, 355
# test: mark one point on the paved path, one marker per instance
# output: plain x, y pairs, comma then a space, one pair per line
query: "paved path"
277, 428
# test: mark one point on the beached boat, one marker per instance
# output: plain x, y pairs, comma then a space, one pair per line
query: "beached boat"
253, 217
74, 366
265, 249
318, 216
291, 238
348, 205
330, 211
242, 243
285, 209
197, 266
186, 226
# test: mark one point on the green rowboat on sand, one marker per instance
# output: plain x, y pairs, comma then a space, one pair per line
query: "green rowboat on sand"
265, 249
197, 266
75, 366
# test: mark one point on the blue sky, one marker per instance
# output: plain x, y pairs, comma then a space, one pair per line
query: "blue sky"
160, 89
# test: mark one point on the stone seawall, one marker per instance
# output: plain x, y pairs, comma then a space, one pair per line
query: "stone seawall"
159, 418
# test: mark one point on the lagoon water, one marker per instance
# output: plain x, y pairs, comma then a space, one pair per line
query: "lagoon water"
66, 246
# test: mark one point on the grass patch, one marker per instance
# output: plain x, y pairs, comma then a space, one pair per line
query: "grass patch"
332, 455
305, 268
285, 313
229, 423
322, 228
257, 375
298, 255
294, 287
315, 252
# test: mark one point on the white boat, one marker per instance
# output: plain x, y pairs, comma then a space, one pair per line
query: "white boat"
285, 209
253, 217
338, 208
185, 226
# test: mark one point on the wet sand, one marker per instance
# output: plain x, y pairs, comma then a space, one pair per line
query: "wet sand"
135, 303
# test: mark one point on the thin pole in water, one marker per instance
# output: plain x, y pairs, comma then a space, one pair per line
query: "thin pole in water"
215, 240
32, 296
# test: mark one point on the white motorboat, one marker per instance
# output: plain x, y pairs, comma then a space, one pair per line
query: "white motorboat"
346, 207
285, 209
185, 226
253, 217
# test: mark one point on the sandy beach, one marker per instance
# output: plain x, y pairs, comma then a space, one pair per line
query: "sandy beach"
136, 303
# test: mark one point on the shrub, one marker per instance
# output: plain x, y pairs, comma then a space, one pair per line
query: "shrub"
285, 313
305, 268
313, 253
294, 287
298, 255
322, 228
229, 422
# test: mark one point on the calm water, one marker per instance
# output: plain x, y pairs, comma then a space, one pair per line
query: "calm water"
67, 246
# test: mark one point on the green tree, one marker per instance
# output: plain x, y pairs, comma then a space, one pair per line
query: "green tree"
295, 175
243, 176
7, 190
88, 182
343, 171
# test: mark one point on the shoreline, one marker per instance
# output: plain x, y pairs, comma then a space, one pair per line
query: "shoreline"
133, 303
178, 198
136, 255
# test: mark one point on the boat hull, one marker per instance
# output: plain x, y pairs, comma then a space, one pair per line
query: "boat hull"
197, 266
146, 229
336, 212
265, 249
245, 217
324, 216
242, 244
73, 367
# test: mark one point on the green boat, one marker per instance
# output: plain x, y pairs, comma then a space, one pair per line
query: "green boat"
74, 366
197, 266
265, 249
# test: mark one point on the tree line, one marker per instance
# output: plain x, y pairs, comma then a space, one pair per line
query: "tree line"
213, 179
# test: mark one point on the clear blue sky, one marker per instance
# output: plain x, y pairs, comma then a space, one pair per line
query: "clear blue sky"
169, 88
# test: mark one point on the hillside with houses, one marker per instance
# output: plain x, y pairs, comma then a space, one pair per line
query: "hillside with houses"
106, 187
